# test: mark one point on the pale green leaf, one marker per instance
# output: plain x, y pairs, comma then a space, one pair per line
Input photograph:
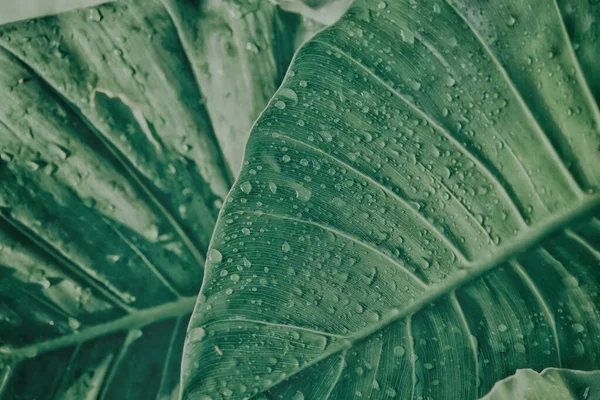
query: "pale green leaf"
550, 384
12, 10
242, 50
323, 11
417, 214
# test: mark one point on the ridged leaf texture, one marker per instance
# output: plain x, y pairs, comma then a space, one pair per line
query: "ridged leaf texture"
417, 212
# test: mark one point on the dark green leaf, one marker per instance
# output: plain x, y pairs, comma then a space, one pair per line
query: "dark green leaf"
112, 176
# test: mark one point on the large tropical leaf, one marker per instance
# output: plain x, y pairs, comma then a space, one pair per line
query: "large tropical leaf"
111, 178
417, 214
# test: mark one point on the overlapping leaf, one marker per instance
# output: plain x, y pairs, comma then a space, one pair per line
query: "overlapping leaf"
113, 167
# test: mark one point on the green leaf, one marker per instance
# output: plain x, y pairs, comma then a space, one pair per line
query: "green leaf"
112, 174
243, 49
12, 11
324, 11
417, 214
550, 384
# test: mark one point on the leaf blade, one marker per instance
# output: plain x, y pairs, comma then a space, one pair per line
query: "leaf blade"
428, 107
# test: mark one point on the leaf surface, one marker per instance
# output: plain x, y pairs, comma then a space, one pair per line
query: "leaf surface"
417, 213
112, 174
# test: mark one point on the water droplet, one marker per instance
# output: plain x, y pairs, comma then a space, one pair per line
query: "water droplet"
34, 166
407, 36
286, 158
285, 247
215, 256
578, 327
73, 323
252, 47
399, 351
280, 104
38, 276
326, 136
382, 5
520, 347
303, 83
302, 193
234, 278
502, 328
511, 21
289, 94
94, 15
273, 187
196, 334
246, 187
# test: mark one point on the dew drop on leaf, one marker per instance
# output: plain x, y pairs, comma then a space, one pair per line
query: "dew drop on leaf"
520, 347
326, 136
215, 256
73, 323
273, 187
399, 351
246, 187
303, 194
289, 94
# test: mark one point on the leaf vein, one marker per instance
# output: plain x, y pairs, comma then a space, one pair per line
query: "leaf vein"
348, 237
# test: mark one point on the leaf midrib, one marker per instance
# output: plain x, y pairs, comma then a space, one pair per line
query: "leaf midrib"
135, 320
528, 240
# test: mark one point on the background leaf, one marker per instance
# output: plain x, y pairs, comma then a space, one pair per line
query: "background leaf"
417, 214
11, 11
550, 384
324, 11
113, 167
